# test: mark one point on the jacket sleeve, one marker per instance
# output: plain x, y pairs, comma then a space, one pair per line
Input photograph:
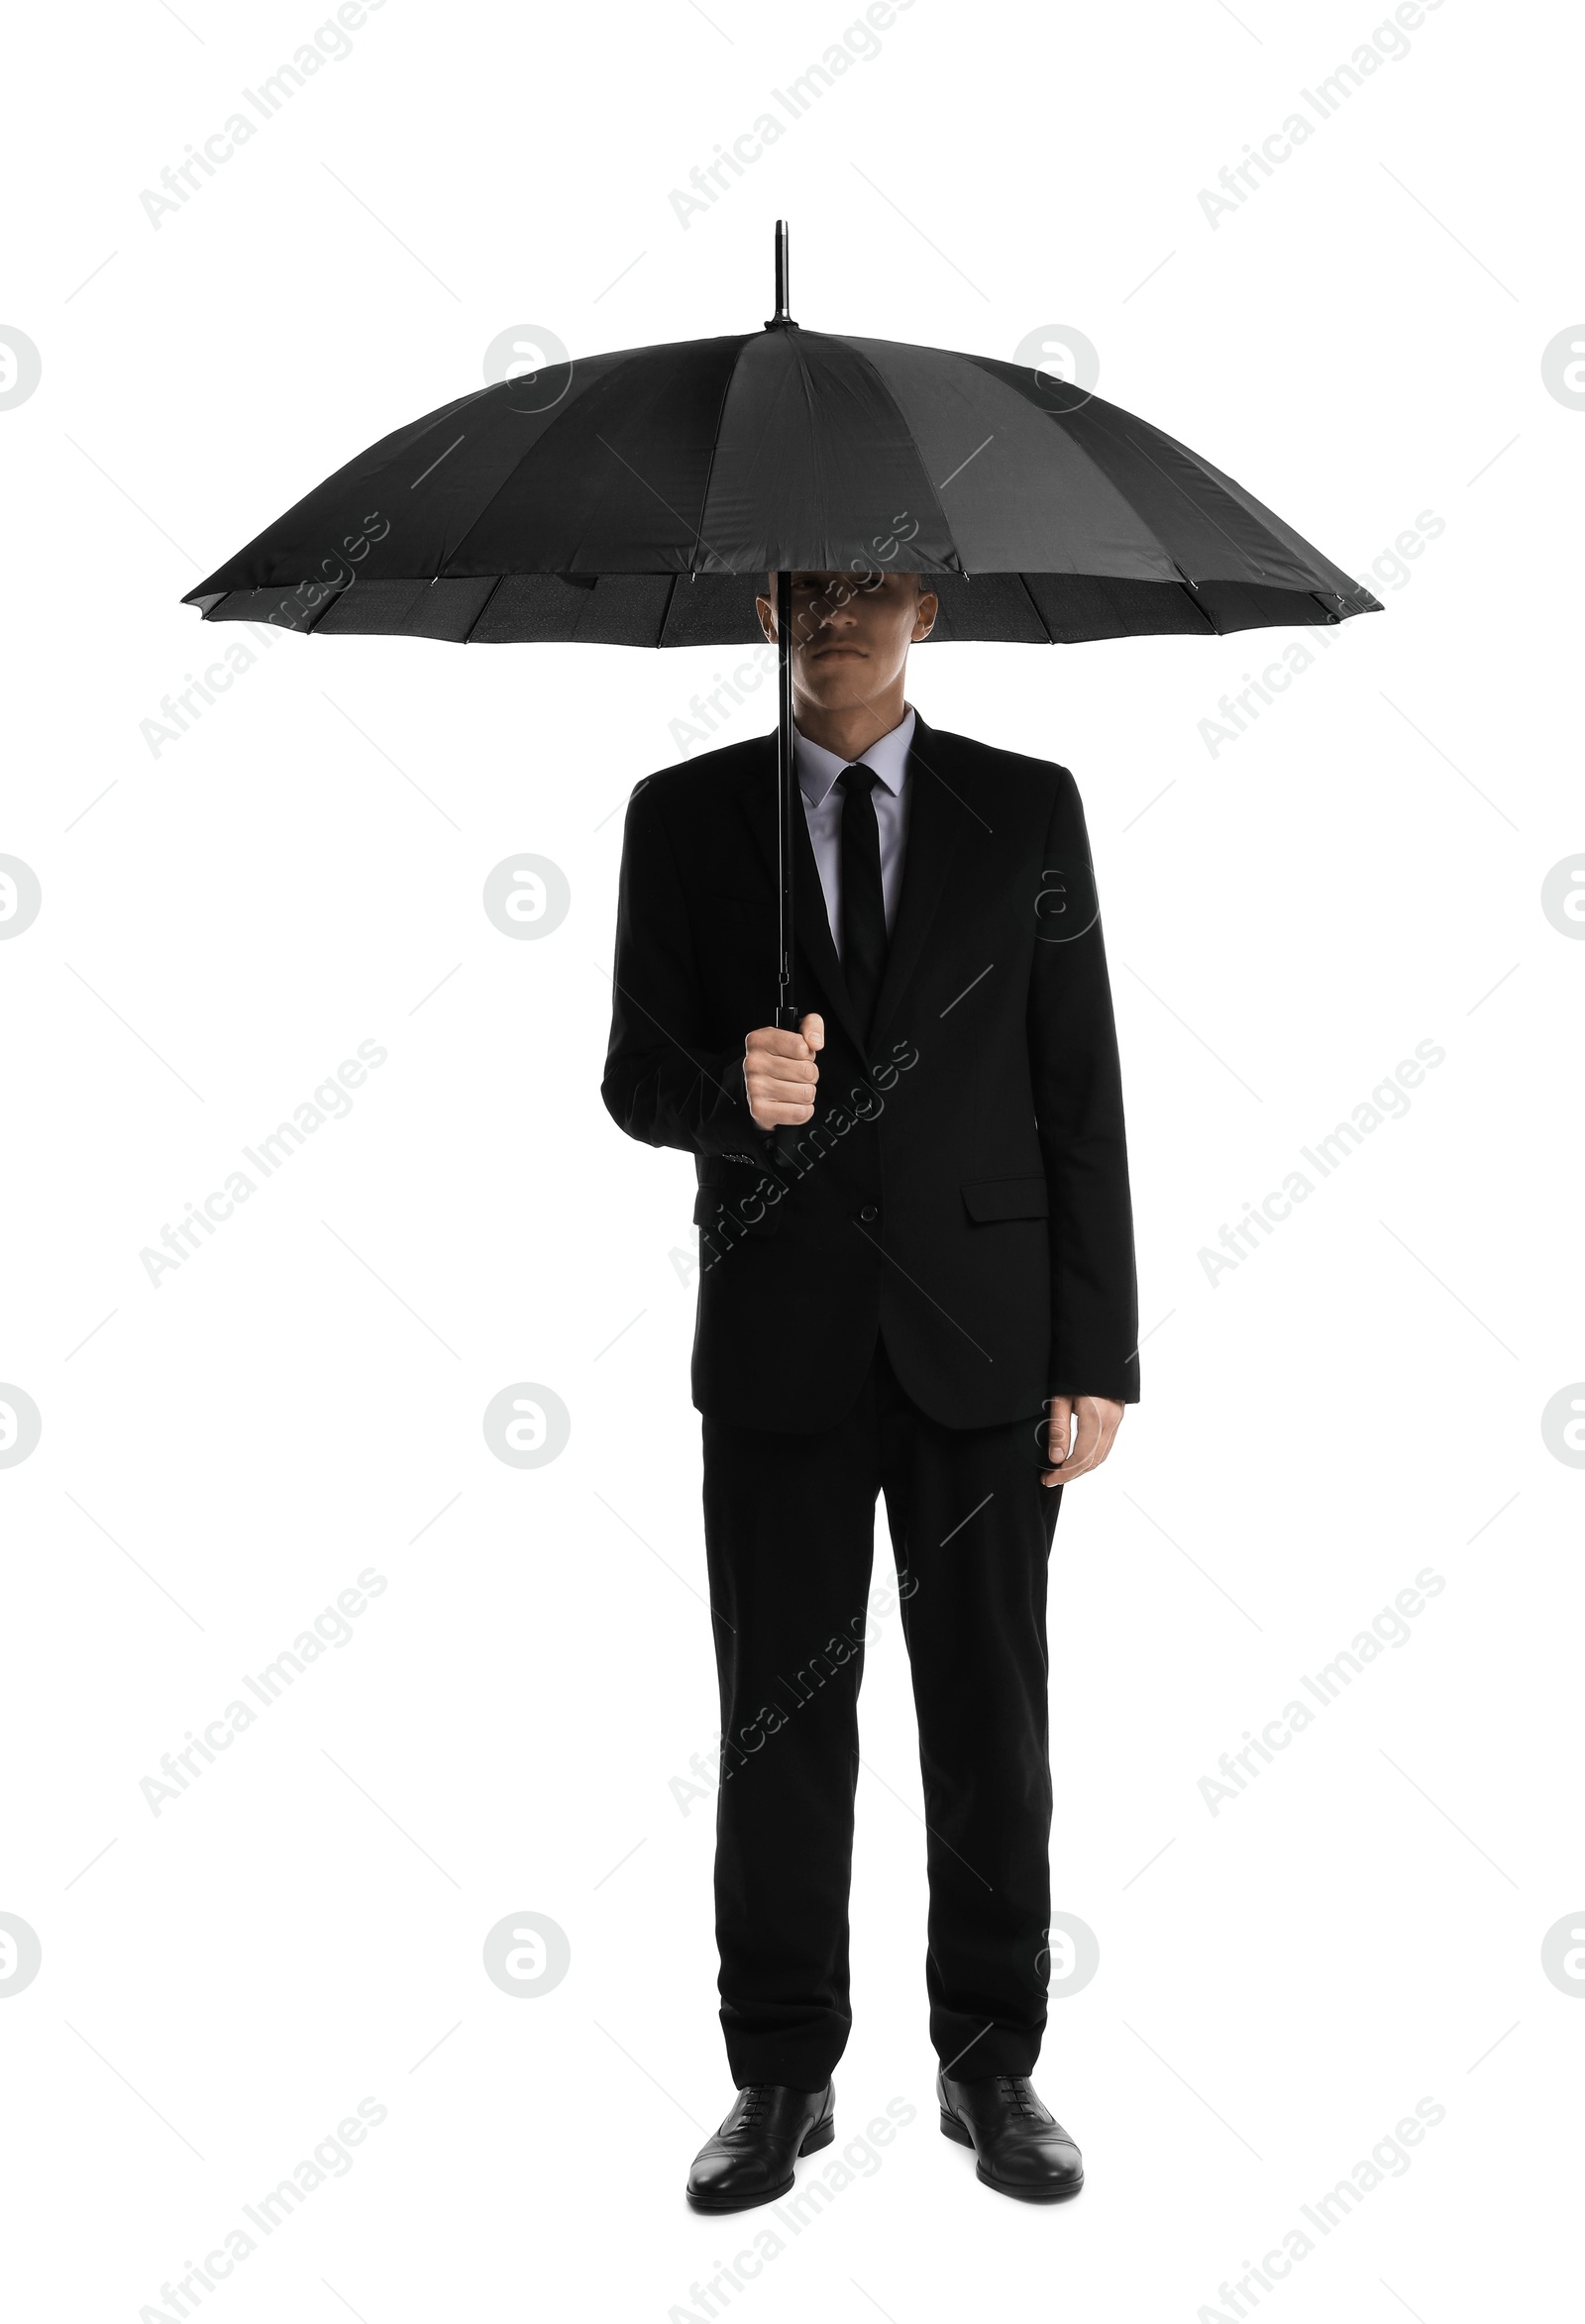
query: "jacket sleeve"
1077, 1091
663, 1081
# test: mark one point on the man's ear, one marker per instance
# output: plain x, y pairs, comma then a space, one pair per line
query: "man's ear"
767, 613
929, 607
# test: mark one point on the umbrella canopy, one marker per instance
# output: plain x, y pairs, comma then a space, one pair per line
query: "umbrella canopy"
640, 498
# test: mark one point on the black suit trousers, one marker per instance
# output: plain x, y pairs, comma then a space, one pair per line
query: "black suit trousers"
790, 1530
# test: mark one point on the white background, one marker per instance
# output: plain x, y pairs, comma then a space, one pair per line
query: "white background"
1280, 1982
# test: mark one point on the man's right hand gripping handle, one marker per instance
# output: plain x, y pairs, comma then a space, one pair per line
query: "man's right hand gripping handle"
780, 1073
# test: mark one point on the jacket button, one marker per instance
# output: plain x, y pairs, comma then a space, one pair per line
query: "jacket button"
868, 1214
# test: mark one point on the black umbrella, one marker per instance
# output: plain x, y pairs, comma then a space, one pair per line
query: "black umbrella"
640, 498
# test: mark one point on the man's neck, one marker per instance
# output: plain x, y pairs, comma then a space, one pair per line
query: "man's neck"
849, 731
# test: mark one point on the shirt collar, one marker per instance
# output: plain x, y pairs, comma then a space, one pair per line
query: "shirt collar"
818, 768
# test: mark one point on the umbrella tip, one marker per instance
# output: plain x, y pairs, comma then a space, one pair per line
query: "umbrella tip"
780, 320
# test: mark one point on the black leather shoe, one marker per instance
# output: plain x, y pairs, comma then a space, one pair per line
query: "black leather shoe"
1020, 2146
750, 2159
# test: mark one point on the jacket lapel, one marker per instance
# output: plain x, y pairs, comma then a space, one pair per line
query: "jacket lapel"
941, 825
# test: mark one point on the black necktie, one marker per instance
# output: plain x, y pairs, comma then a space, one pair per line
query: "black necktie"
863, 899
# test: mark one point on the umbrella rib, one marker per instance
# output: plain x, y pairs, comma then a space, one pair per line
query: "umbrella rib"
1193, 595
1023, 583
505, 481
332, 598
715, 445
935, 490
659, 497
467, 634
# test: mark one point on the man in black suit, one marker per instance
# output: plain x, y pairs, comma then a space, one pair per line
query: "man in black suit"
917, 1278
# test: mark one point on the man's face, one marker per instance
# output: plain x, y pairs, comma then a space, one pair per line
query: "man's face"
851, 632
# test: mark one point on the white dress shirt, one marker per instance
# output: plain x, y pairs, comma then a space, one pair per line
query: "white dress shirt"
817, 771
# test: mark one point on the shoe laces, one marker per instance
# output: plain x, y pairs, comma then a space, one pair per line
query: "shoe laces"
1015, 2086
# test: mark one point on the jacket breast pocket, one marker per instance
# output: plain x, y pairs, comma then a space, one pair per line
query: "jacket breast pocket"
990, 1199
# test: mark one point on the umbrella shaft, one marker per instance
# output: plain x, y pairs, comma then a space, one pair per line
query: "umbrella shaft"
786, 1016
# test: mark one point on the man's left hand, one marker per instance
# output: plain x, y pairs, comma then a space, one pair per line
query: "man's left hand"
1079, 1436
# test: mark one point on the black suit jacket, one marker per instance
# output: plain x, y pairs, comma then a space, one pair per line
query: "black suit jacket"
962, 1184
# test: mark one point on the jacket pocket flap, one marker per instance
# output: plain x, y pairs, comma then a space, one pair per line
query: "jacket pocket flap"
1006, 1198
736, 1210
